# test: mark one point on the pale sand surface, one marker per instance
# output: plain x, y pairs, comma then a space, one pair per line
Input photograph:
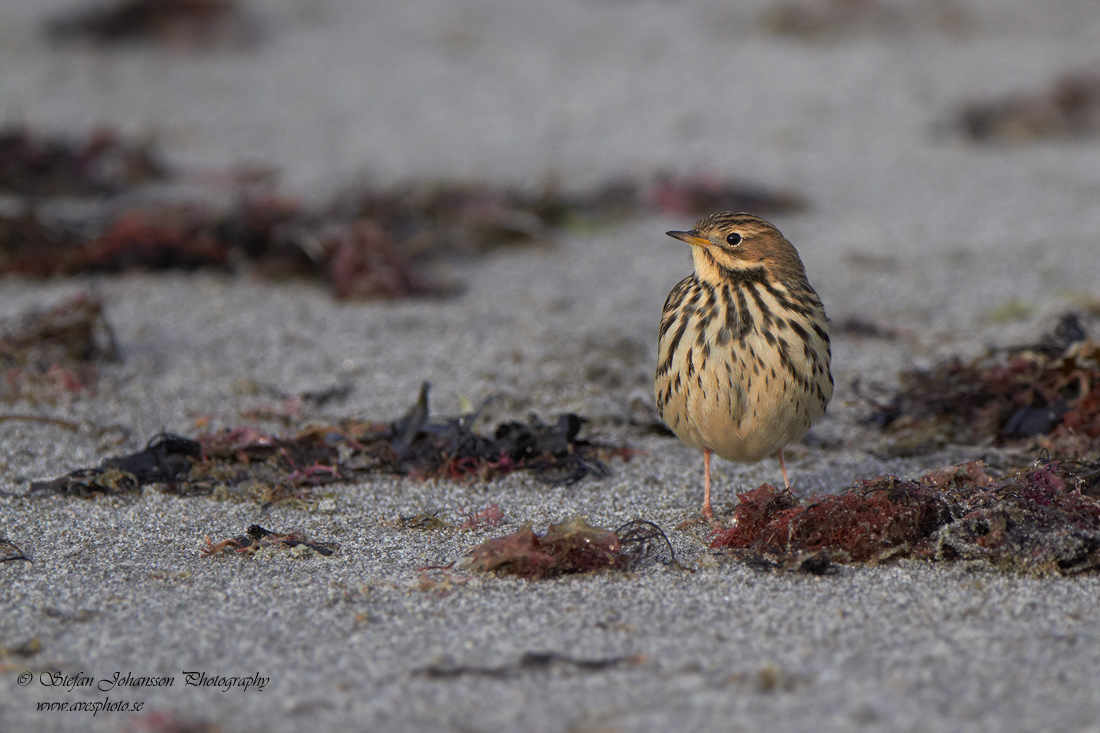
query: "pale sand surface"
921, 231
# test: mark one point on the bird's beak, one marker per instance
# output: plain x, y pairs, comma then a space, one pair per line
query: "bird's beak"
691, 237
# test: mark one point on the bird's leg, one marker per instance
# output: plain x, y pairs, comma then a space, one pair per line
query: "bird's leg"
708, 511
783, 468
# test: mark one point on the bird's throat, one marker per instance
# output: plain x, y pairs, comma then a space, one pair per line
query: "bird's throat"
709, 269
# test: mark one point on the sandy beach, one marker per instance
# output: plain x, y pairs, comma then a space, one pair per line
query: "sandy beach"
956, 245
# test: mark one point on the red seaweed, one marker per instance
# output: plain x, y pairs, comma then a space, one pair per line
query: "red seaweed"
1032, 520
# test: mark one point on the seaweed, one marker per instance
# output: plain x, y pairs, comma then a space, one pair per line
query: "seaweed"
101, 163
448, 448
641, 540
22, 651
156, 238
29, 244
247, 463
258, 538
490, 516
1034, 520
570, 546
166, 459
374, 243
178, 23
818, 19
52, 353
363, 262
275, 238
421, 520
452, 216
1069, 107
698, 194
861, 327
10, 552
473, 216
1040, 395
529, 661
30, 648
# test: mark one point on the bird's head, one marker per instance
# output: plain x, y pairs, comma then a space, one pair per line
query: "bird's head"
738, 245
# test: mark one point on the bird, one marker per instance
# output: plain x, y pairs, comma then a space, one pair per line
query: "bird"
743, 351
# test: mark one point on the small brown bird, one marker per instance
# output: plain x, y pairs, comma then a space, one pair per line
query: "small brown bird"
743, 350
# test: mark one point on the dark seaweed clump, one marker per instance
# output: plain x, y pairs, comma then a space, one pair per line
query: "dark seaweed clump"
1035, 520
375, 242
181, 24
50, 354
1044, 395
246, 463
101, 163
257, 538
1068, 107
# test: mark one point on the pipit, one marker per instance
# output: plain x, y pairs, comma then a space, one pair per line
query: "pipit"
743, 351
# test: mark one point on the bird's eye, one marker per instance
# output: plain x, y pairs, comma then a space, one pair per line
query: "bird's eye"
733, 239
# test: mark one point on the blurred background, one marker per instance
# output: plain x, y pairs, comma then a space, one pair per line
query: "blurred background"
860, 94
937, 162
